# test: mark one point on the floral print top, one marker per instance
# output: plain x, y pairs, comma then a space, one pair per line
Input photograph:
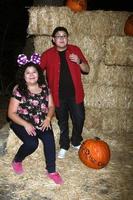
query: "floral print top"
33, 108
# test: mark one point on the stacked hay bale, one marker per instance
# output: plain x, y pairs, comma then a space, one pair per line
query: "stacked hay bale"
101, 36
108, 103
108, 87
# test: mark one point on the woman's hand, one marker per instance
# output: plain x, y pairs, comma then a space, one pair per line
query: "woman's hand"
30, 129
46, 124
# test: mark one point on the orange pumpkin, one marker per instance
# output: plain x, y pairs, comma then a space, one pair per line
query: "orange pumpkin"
94, 153
128, 29
77, 5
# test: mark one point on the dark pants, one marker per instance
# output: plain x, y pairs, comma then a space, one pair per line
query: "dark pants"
30, 144
77, 114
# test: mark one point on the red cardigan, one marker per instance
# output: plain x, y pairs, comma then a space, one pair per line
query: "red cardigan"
50, 61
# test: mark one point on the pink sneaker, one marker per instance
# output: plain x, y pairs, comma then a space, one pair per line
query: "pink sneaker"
17, 167
55, 177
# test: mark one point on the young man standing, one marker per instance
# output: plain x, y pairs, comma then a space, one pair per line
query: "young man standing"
64, 64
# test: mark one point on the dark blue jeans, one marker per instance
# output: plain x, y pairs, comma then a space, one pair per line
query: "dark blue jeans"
30, 144
77, 114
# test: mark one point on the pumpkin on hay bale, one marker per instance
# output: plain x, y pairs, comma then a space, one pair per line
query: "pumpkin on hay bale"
77, 5
128, 29
94, 153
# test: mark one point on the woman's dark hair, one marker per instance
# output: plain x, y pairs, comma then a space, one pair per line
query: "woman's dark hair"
20, 81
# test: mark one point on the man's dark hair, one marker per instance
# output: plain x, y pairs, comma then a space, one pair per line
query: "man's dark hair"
59, 28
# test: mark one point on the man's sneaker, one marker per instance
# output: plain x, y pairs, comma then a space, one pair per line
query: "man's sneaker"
76, 147
55, 177
62, 153
17, 167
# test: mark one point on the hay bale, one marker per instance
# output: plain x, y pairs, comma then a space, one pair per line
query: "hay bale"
116, 76
100, 23
13, 142
87, 22
33, 22
42, 43
44, 19
108, 88
119, 51
4, 133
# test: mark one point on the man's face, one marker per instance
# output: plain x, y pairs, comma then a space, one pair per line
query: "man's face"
60, 39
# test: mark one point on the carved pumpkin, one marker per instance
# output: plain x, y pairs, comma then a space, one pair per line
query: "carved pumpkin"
128, 29
77, 5
94, 153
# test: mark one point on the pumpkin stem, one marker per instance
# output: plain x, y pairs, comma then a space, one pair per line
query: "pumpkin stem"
97, 138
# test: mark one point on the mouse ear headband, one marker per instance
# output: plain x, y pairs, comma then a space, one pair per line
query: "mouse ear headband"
22, 59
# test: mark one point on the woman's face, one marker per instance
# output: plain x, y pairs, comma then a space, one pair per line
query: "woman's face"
31, 75
61, 40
